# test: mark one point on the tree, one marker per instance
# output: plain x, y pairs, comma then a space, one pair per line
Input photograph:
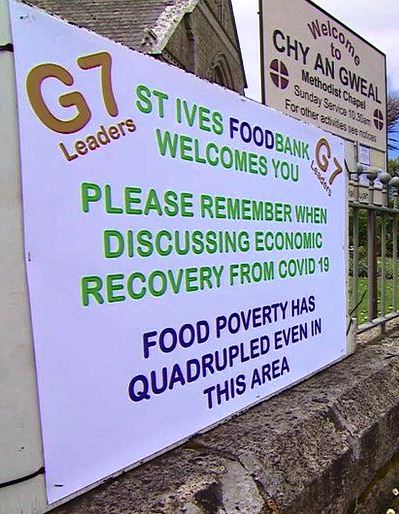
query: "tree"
393, 119
393, 166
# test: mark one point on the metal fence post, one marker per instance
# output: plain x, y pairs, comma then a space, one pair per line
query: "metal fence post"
372, 251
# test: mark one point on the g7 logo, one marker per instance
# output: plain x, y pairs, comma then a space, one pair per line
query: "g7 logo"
323, 156
40, 73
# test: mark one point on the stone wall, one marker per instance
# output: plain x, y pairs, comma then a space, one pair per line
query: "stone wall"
210, 43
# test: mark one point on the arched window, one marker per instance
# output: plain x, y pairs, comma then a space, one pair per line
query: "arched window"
220, 72
219, 76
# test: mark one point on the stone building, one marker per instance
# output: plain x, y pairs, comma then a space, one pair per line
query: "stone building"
199, 36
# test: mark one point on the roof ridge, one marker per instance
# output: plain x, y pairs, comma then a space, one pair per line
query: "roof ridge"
156, 37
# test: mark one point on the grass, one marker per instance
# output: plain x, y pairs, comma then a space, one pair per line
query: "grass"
362, 285
362, 310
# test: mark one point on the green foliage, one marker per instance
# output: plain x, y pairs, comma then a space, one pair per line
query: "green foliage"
362, 269
389, 272
393, 166
393, 118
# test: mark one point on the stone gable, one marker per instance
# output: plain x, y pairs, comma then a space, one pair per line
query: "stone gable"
198, 36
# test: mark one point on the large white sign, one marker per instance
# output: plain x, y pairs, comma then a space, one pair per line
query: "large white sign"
317, 70
184, 248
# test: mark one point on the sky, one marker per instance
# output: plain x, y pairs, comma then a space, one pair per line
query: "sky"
376, 20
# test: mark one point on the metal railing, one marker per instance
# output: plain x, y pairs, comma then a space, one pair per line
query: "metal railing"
373, 255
